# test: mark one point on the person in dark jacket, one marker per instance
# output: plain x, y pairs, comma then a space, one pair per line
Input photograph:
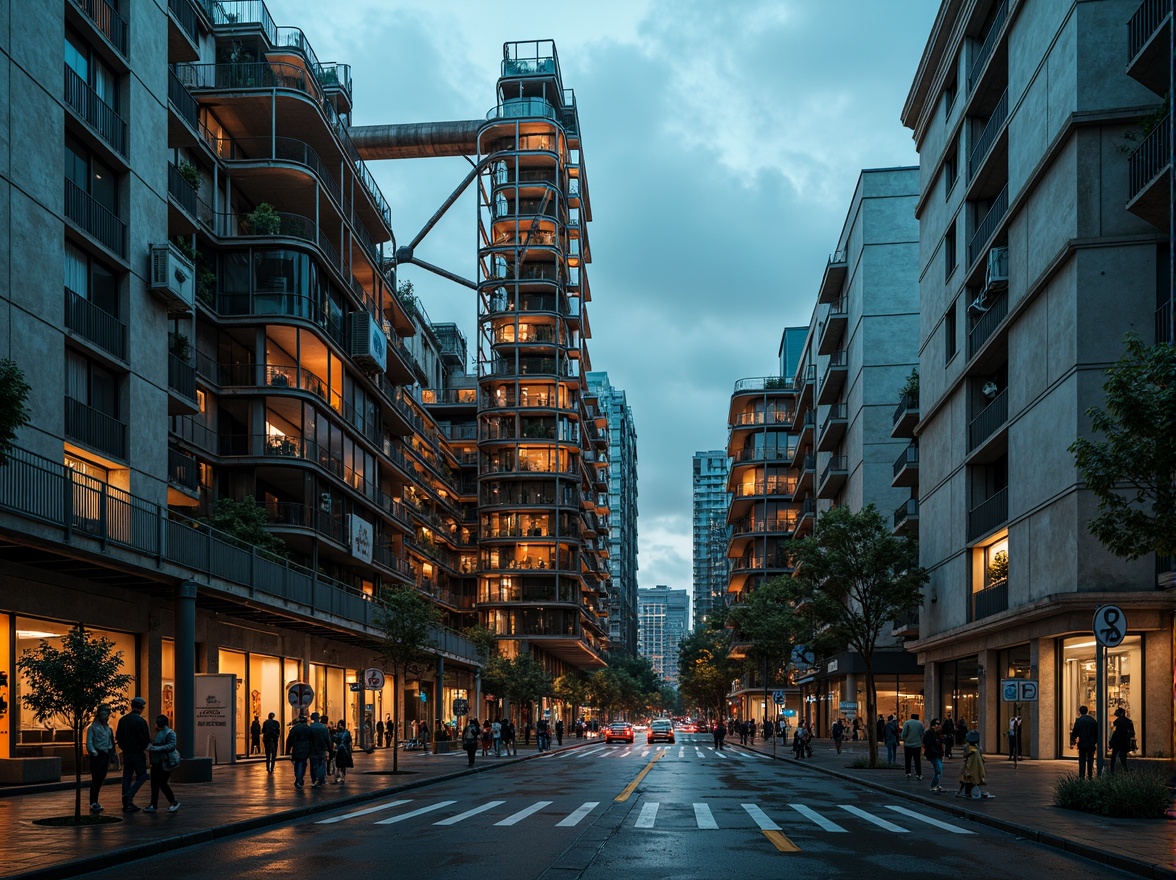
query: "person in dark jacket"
255, 736
163, 754
298, 745
933, 752
1122, 735
320, 749
271, 734
948, 732
133, 737
470, 736
1084, 737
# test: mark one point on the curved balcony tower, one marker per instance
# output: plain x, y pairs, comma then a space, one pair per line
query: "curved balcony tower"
540, 583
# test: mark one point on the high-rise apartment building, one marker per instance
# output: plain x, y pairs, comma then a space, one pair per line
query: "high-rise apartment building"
622, 517
230, 330
543, 470
711, 500
1042, 244
664, 621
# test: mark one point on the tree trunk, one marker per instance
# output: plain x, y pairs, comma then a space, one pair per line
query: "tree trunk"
871, 710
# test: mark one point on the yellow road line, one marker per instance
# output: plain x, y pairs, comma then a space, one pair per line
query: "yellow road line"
781, 842
632, 786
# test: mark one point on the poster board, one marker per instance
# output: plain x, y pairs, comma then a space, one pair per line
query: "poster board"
216, 717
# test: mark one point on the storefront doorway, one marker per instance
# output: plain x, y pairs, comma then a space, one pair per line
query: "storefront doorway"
1078, 682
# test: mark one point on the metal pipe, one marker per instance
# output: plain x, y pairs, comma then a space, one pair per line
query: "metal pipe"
417, 140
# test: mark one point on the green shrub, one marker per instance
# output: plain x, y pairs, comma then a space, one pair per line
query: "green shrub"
264, 220
1136, 794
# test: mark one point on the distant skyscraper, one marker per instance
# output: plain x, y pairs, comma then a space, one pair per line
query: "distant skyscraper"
622, 516
664, 620
711, 501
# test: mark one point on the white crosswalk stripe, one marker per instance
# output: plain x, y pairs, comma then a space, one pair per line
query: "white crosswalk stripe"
704, 818
364, 812
414, 813
814, 816
648, 815
523, 814
461, 817
870, 817
573, 818
946, 826
760, 818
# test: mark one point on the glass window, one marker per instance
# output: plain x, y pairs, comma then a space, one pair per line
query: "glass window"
233, 662
1124, 685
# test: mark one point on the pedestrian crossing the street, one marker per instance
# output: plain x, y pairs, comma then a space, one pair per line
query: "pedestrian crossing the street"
790, 818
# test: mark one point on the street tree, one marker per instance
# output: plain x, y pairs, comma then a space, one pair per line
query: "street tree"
246, 523
14, 410
855, 578
526, 680
406, 621
1132, 471
69, 683
769, 626
572, 688
705, 668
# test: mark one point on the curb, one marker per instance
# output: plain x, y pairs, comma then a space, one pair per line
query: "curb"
120, 856
1102, 857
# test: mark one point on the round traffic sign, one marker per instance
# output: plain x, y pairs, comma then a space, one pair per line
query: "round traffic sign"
373, 678
300, 694
1110, 626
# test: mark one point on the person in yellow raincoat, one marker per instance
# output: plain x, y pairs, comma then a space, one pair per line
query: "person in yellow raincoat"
973, 776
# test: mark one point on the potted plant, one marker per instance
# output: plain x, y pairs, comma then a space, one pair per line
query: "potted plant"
264, 220
998, 568
910, 387
179, 345
190, 173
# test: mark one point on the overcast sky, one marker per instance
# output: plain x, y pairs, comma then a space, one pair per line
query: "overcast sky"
722, 142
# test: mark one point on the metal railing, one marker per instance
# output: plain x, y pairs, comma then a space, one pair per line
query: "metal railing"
988, 46
838, 412
93, 218
185, 15
989, 601
764, 383
909, 403
909, 457
95, 428
183, 470
908, 510
987, 138
989, 420
1144, 23
988, 514
781, 522
988, 226
181, 190
95, 324
107, 20
1149, 159
184, 103
838, 464
986, 324
181, 377
99, 115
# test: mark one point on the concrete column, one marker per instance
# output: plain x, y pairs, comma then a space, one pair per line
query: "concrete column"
185, 662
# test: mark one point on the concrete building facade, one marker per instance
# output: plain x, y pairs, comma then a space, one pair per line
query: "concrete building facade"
1040, 248
709, 534
664, 617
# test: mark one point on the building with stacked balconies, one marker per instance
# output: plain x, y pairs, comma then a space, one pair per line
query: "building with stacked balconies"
710, 501
1044, 238
229, 329
543, 465
664, 616
622, 517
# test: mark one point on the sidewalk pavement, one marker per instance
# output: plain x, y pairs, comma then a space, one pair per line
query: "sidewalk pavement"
1023, 805
241, 797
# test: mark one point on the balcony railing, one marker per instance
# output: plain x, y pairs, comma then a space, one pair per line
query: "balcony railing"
94, 428
988, 226
181, 377
838, 412
986, 516
184, 103
986, 324
183, 470
107, 20
990, 419
991, 600
764, 383
185, 14
99, 115
82, 209
1149, 159
180, 190
838, 464
909, 403
908, 510
987, 47
1144, 23
98, 326
909, 457
988, 137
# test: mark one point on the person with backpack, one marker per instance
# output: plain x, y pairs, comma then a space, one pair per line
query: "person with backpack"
343, 758
470, 735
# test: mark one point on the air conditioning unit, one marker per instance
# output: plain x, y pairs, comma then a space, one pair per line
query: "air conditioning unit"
996, 276
173, 278
369, 345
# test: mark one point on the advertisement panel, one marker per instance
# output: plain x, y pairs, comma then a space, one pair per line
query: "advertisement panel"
216, 718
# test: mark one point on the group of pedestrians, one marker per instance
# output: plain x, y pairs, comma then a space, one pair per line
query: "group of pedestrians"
320, 746
139, 747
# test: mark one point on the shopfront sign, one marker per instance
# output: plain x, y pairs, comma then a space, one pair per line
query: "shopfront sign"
373, 678
778, 697
461, 706
362, 538
1018, 690
848, 708
216, 718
